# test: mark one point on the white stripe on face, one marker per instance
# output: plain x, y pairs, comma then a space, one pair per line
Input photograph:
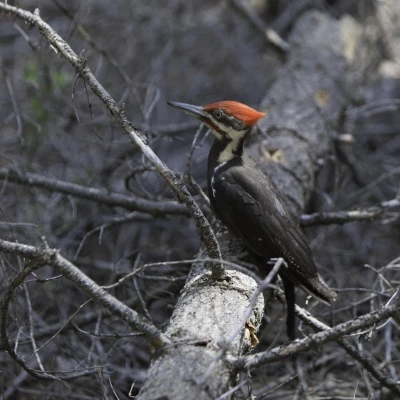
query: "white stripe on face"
235, 138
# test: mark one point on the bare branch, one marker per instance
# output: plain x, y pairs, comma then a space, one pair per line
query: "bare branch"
101, 196
52, 257
363, 359
316, 53
176, 183
189, 176
31, 331
170, 207
337, 332
17, 111
35, 263
343, 217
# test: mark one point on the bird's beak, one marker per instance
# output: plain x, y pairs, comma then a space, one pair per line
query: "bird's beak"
194, 111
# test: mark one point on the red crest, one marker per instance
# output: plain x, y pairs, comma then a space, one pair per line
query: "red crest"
238, 110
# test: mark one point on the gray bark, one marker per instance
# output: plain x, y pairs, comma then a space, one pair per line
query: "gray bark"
303, 105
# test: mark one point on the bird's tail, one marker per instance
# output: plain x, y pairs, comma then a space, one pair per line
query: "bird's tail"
317, 288
290, 297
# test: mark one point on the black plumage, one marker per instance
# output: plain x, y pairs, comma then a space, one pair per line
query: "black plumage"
247, 201
249, 204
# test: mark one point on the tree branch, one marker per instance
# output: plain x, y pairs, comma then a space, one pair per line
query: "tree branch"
47, 256
60, 46
35, 263
208, 312
337, 332
165, 207
363, 359
344, 217
101, 196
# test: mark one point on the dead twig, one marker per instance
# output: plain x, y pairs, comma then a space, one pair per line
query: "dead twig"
177, 185
101, 196
337, 332
343, 217
352, 350
47, 256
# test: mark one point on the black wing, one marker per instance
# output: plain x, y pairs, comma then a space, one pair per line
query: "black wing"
253, 208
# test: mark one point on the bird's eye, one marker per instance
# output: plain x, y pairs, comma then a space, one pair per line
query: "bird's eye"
218, 114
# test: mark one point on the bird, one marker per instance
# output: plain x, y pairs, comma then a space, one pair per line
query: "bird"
249, 203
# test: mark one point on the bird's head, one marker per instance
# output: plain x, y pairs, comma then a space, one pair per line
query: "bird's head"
228, 120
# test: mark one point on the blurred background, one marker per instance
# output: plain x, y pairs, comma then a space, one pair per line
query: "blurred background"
145, 53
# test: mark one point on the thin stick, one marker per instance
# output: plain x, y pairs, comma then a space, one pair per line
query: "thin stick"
337, 332
79, 63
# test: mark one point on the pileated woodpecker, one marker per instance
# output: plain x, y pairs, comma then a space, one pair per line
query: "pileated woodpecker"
250, 205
